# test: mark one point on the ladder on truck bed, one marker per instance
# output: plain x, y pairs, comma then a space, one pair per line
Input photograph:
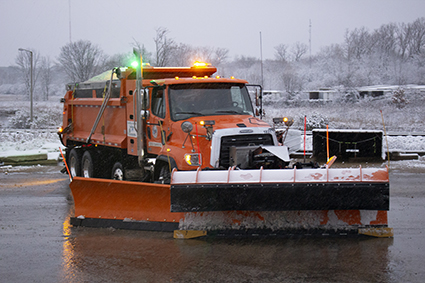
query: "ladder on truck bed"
102, 107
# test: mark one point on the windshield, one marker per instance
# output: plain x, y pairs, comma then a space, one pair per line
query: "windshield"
189, 100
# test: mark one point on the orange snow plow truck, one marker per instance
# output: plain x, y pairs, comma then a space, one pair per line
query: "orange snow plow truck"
178, 149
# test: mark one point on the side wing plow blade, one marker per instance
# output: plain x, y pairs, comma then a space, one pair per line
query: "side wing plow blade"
122, 200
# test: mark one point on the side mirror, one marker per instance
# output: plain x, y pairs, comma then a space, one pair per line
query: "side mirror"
257, 99
145, 98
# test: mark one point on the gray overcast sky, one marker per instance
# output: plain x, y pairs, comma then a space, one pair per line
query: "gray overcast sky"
43, 25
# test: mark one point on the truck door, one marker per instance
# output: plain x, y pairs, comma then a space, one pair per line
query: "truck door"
156, 126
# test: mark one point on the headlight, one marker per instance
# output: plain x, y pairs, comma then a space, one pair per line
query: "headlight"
193, 159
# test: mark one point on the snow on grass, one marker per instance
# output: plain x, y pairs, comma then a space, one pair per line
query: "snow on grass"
406, 143
17, 142
417, 165
21, 136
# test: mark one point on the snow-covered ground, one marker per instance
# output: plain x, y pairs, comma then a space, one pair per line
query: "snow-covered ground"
29, 143
19, 136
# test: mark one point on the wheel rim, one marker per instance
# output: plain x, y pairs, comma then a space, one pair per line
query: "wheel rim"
164, 175
86, 166
118, 174
73, 163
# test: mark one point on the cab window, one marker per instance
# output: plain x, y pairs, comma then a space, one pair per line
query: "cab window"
158, 102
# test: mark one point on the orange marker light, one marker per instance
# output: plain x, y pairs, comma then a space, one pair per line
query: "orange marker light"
200, 64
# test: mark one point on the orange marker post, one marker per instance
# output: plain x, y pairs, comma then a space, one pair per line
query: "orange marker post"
66, 165
327, 143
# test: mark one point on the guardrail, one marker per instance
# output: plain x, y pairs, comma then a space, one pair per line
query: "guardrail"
391, 133
46, 130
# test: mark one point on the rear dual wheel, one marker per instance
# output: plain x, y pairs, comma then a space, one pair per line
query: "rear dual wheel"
87, 165
75, 163
92, 168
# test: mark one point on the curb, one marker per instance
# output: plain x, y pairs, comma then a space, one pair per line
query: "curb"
31, 159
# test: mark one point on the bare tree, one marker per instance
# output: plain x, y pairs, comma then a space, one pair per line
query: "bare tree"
164, 47
146, 55
358, 43
385, 39
204, 54
281, 53
220, 56
245, 62
81, 60
23, 60
404, 37
119, 60
182, 55
418, 37
298, 50
291, 80
46, 76
126, 59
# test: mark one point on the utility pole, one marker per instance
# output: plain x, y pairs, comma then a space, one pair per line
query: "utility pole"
261, 60
309, 41
32, 88
69, 3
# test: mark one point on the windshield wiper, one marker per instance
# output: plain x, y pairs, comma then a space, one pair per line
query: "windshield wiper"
193, 113
228, 111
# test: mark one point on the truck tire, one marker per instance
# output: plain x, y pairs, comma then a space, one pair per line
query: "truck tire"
87, 165
164, 176
74, 163
117, 172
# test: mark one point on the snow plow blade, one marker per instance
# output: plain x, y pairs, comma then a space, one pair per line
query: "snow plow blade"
241, 203
122, 204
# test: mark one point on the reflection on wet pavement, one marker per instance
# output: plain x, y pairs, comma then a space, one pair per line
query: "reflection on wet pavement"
107, 255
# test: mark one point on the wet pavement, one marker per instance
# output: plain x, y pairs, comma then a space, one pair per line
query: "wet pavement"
38, 245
